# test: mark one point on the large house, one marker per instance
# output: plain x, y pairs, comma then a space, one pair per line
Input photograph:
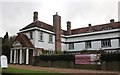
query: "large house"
39, 36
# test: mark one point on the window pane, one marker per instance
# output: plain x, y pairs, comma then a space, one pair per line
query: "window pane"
88, 44
41, 36
31, 35
71, 46
106, 43
50, 39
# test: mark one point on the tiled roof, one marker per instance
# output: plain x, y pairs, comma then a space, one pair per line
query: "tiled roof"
39, 24
24, 40
94, 28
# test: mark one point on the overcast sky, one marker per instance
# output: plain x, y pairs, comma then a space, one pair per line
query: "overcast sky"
16, 14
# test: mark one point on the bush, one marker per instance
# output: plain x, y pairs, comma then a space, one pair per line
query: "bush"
110, 57
66, 57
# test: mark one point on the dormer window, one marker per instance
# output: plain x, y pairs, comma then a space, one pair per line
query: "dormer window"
91, 30
107, 28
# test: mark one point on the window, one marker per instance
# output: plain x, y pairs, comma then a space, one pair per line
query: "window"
41, 37
106, 43
91, 30
119, 41
50, 39
88, 44
31, 35
71, 46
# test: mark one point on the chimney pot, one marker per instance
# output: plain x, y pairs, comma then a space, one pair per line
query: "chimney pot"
68, 28
35, 16
89, 25
56, 13
112, 20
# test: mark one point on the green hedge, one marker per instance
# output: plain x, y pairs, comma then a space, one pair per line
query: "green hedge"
110, 57
66, 57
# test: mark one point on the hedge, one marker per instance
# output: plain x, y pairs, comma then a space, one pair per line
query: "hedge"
110, 57
66, 57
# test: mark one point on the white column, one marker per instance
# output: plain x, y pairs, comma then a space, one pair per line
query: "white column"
14, 56
11, 56
17, 56
20, 60
27, 56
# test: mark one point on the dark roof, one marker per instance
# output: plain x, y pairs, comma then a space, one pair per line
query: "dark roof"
24, 40
94, 28
39, 24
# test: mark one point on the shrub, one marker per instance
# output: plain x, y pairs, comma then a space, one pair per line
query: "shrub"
110, 57
66, 57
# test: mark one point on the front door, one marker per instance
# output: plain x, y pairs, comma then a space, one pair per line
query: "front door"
30, 56
23, 56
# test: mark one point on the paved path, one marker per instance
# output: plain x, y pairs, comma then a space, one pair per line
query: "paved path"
60, 70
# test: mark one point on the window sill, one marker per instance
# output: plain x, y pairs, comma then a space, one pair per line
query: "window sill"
71, 49
40, 40
30, 38
50, 42
105, 46
88, 48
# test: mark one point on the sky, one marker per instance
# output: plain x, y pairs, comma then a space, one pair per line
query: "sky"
17, 14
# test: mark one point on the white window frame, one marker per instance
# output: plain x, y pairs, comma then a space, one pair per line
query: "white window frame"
119, 41
31, 35
41, 37
88, 44
106, 43
71, 46
50, 38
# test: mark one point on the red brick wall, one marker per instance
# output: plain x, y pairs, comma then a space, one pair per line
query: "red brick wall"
57, 30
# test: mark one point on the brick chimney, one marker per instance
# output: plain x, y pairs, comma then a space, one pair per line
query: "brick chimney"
35, 16
112, 20
57, 30
68, 28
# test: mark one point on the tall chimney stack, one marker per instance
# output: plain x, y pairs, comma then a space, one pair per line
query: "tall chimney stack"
57, 30
35, 16
68, 28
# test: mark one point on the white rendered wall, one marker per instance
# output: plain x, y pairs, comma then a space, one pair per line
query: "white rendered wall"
63, 46
96, 45
45, 44
92, 37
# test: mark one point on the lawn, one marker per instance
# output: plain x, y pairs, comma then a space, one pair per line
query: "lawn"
16, 71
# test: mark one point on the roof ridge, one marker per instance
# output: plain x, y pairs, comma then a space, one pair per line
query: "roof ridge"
95, 25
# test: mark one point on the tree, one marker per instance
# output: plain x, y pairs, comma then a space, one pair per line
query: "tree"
6, 46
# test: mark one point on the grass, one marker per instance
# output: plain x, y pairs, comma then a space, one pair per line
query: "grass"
17, 71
